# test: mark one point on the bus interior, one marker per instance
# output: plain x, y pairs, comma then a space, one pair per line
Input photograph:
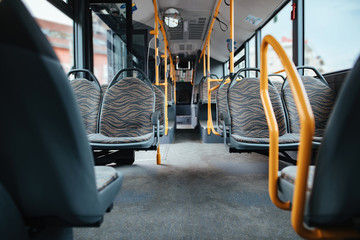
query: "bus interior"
167, 119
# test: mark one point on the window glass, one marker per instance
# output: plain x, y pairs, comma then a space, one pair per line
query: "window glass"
239, 55
280, 27
57, 27
252, 57
100, 49
332, 34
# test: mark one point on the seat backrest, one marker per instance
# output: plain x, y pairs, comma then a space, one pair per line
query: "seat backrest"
322, 99
47, 164
246, 110
127, 108
277, 80
12, 225
204, 90
88, 94
160, 103
221, 102
335, 196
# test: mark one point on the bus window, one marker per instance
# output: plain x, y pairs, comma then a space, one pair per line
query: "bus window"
57, 27
100, 49
252, 57
331, 34
280, 27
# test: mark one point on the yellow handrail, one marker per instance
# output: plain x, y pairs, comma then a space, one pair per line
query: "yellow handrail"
307, 124
210, 125
210, 28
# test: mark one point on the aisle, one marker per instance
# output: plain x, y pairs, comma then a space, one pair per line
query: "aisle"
199, 192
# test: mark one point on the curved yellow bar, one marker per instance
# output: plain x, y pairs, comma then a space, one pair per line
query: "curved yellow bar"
307, 124
210, 125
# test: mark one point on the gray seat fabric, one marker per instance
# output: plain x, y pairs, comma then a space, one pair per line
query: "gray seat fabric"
47, 165
248, 121
322, 99
88, 98
160, 107
333, 199
127, 109
221, 105
337, 168
100, 138
286, 182
170, 92
204, 91
277, 83
125, 120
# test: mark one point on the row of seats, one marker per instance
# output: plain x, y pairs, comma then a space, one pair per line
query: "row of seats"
128, 114
240, 111
323, 198
48, 182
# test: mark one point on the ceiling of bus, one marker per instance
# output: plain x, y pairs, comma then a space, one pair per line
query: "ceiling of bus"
198, 13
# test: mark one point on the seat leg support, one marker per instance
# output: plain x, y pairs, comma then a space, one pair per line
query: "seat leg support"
158, 156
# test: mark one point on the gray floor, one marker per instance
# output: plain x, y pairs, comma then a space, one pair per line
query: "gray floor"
199, 192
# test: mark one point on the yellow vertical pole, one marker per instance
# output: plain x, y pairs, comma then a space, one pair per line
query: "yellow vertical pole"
166, 91
156, 45
231, 43
209, 121
204, 60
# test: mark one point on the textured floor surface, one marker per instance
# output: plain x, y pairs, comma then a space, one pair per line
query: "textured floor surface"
199, 192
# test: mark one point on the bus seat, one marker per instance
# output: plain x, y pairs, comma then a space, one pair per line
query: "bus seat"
126, 115
12, 225
170, 92
160, 107
103, 89
221, 105
321, 97
204, 89
333, 200
277, 80
88, 94
47, 165
248, 127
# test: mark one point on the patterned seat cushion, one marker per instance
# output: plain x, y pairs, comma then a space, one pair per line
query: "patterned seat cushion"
286, 138
289, 174
100, 138
127, 109
322, 99
221, 103
247, 114
88, 99
160, 103
204, 91
104, 176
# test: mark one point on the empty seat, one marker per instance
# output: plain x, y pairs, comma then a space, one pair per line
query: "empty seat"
333, 195
321, 97
248, 127
160, 107
170, 92
128, 118
221, 104
48, 167
204, 88
277, 80
88, 94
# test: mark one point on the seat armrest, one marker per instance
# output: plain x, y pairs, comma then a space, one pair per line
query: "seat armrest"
225, 119
155, 117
